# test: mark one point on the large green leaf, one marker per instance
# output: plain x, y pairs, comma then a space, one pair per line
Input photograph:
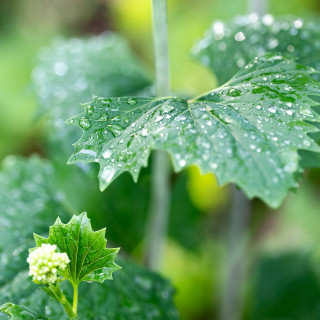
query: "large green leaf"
90, 260
71, 71
227, 47
30, 202
248, 131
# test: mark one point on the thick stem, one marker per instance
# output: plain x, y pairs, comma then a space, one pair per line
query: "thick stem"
160, 186
260, 7
232, 300
75, 300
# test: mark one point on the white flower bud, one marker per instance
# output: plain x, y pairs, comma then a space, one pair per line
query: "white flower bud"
44, 263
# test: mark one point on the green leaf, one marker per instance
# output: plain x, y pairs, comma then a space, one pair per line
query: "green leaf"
227, 47
135, 294
90, 260
71, 71
292, 292
30, 201
247, 132
17, 312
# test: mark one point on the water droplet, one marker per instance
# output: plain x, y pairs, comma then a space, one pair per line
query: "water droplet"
84, 123
144, 132
239, 36
268, 19
131, 101
89, 110
289, 112
306, 143
272, 109
104, 117
107, 154
159, 118
214, 165
258, 107
107, 174
290, 48
60, 68
298, 23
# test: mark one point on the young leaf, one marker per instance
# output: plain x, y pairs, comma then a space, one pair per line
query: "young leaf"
227, 47
17, 312
248, 131
90, 260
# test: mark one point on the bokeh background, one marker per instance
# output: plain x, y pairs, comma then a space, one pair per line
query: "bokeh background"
282, 251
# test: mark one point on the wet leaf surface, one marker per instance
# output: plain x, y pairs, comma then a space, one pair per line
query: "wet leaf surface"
227, 47
247, 132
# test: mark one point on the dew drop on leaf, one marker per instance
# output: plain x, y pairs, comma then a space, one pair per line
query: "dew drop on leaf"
84, 123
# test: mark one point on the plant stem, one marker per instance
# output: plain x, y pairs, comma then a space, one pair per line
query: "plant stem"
75, 300
232, 300
259, 7
160, 186
55, 292
159, 212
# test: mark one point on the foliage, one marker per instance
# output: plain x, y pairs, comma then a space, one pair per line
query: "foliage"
238, 131
292, 292
227, 47
30, 201
70, 71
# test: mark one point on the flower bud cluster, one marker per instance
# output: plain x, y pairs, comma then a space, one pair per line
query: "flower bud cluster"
44, 263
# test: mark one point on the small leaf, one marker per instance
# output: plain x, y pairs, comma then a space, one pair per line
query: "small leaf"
17, 312
247, 132
90, 260
227, 47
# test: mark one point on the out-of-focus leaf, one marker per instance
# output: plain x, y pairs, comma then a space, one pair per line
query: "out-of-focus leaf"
248, 131
90, 260
29, 200
17, 312
71, 71
285, 287
227, 47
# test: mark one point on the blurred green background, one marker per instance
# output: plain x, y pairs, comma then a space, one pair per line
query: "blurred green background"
283, 256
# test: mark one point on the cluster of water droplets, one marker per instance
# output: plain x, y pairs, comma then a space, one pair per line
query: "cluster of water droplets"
71, 71
227, 47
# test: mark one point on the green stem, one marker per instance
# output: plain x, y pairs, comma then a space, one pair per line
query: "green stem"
258, 6
55, 292
233, 291
75, 300
161, 51
160, 186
